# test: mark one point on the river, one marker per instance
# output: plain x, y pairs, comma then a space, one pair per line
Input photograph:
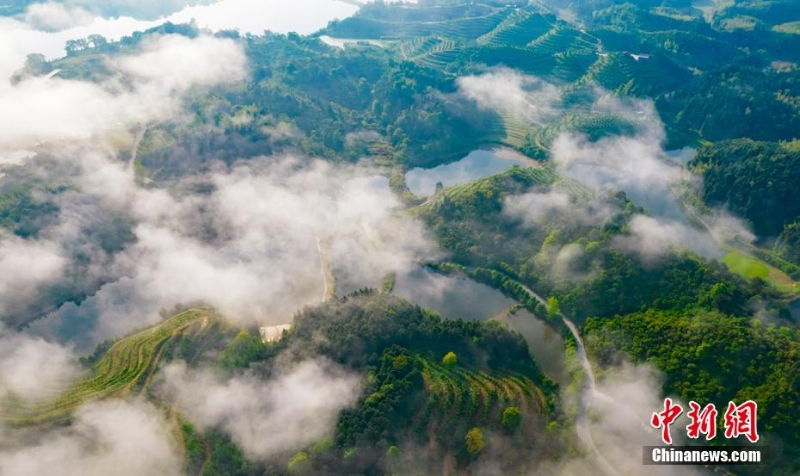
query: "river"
18, 39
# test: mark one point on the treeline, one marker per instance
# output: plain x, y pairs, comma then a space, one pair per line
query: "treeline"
757, 181
711, 357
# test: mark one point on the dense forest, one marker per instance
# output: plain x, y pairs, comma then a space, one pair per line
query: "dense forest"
408, 353
710, 357
732, 170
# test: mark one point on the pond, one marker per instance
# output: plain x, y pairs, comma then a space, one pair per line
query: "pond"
794, 310
451, 297
546, 345
255, 16
463, 298
478, 164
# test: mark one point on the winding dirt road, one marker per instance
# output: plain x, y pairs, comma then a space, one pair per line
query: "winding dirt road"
582, 418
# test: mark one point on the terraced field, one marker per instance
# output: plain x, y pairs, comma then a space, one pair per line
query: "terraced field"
127, 367
514, 131
528, 60
570, 65
478, 397
520, 28
622, 73
562, 39
427, 45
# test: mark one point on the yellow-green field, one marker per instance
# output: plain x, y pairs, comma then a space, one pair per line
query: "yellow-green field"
751, 267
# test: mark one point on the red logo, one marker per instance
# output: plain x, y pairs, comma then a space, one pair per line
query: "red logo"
739, 420
664, 419
703, 421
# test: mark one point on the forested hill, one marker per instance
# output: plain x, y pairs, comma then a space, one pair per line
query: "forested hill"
430, 381
719, 73
712, 358
756, 180
710, 81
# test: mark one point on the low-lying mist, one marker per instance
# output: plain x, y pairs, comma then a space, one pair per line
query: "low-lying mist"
634, 162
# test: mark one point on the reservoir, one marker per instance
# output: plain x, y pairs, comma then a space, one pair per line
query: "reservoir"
451, 297
478, 164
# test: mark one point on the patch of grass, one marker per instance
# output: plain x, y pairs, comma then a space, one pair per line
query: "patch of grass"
746, 266
739, 23
751, 267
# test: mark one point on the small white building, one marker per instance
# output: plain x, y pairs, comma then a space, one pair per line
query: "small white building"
273, 333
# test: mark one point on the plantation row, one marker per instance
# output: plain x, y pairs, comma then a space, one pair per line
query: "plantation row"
428, 45
595, 125
532, 42
520, 28
126, 367
623, 74
463, 395
563, 39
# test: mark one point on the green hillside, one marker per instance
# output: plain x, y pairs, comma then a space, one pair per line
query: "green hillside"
127, 367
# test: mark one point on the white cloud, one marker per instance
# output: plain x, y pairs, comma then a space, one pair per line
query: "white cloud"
27, 264
508, 91
110, 438
33, 369
173, 63
652, 238
265, 418
42, 109
555, 205
249, 247
53, 16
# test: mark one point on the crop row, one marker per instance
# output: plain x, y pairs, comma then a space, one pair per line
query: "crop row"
128, 365
520, 28
479, 396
